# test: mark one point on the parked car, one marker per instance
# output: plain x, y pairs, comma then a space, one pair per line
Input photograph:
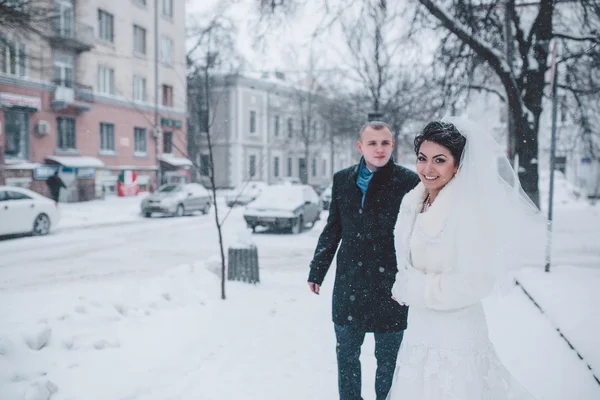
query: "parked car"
24, 211
284, 207
245, 193
326, 198
177, 200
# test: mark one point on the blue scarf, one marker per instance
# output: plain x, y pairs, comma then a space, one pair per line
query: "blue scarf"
363, 179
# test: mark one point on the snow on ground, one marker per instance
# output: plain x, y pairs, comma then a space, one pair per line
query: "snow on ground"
133, 311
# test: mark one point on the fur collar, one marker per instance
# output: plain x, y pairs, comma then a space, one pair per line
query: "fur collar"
433, 221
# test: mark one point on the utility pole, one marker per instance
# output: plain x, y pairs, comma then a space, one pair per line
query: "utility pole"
553, 88
156, 131
2, 158
509, 9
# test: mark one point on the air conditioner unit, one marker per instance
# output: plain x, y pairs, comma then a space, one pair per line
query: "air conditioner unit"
43, 128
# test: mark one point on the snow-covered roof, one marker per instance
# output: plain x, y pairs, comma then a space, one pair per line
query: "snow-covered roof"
20, 165
175, 161
76, 161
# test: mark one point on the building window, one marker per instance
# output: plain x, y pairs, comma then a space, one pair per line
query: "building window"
106, 80
16, 134
167, 96
290, 128
313, 167
167, 8
252, 166
252, 121
107, 137
13, 58
139, 39
106, 26
139, 140
204, 165
276, 126
276, 167
139, 88
313, 134
290, 166
324, 167
65, 131
166, 50
63, 70
168, 142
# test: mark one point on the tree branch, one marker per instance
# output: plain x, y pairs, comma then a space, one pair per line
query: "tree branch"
594, 39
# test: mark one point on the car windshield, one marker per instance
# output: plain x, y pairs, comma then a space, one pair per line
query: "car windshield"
274, 196
170, 189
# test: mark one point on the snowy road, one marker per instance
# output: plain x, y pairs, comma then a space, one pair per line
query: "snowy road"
135, 248
91, 253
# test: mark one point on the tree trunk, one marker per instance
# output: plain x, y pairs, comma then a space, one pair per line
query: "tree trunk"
212, 180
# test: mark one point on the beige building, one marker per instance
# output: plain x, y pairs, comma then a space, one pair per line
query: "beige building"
259, 127
79, 92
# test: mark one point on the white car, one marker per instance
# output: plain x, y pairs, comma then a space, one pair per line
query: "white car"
245, 193
25, 211
177, 200
289, 207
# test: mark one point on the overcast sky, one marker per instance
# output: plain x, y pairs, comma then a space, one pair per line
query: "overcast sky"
295, 35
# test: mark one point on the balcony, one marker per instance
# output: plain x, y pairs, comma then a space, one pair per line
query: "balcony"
70, 96
66, 33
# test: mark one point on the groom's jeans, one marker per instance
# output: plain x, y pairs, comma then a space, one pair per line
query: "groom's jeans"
349, 342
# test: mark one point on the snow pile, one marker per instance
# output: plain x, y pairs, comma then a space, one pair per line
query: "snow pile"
54, 342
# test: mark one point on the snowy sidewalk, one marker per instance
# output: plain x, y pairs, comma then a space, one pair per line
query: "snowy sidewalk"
569, 297
569, 294
171, 337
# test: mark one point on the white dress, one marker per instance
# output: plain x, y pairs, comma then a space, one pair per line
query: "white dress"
446, 353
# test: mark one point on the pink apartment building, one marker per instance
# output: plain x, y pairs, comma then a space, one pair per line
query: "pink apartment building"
79, 98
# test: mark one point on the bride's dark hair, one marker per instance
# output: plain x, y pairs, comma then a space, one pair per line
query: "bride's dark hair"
445, 134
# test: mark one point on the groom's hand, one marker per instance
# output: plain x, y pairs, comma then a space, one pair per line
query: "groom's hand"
314, 287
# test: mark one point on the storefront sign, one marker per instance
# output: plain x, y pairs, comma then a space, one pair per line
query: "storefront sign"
17, 100
45, 172
86, 173
171, 123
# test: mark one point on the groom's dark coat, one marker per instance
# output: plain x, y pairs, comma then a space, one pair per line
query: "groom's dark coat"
366, 261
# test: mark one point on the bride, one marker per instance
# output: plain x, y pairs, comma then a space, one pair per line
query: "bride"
458, 233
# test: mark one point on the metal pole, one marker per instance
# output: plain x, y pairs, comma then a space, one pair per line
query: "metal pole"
509, 51
156, 132
554, 81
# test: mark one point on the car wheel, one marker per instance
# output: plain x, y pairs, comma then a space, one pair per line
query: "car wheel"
41, 225
253, 227
297, 226
179, 211
206, 209
147, 214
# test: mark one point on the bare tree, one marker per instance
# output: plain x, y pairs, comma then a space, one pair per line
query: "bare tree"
382, 65
213, 53
26, 16
478, 56
502, 47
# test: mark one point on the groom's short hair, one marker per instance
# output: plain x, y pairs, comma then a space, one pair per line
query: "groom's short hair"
376, 125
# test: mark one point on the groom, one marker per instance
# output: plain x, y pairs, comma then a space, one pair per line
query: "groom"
365, 202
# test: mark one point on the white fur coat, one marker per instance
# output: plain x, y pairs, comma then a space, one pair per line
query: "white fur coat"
428, 274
